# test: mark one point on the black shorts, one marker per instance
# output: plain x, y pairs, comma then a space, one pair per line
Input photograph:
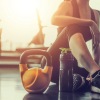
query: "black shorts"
84, 30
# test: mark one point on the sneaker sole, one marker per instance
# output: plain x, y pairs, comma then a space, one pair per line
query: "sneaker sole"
95, 89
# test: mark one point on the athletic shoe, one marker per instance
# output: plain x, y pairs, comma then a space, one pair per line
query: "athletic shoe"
95, 83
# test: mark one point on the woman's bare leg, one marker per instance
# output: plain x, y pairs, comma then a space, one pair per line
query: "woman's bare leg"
82, 54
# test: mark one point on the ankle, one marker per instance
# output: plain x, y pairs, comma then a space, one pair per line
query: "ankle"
94, 73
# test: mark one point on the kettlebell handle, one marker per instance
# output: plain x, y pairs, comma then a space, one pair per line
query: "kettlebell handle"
25, 54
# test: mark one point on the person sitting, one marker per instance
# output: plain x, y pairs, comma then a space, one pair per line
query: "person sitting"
79, 23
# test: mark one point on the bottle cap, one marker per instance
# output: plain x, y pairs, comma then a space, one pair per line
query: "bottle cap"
65, 50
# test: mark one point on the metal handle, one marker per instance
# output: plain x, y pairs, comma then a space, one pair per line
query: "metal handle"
25, 54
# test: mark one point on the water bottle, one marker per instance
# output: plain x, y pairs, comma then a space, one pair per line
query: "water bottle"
66, 70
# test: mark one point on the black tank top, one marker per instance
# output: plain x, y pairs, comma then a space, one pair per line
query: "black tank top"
76, 14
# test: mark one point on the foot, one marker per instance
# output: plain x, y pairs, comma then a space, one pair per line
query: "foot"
95, 83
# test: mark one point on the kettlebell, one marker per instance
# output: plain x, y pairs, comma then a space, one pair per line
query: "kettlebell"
35, 80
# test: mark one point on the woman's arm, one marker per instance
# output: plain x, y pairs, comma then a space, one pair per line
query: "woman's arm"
63, 16
64, 21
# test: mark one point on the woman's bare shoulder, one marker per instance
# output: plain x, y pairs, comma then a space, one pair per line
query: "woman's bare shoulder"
65, 8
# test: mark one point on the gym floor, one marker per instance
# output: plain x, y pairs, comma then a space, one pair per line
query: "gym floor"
11, 89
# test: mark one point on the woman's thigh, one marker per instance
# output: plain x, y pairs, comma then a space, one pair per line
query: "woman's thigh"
84, 30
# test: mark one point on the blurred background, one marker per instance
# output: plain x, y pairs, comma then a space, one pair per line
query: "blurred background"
19, 22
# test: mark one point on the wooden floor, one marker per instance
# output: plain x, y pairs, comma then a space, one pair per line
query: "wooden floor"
11, 89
